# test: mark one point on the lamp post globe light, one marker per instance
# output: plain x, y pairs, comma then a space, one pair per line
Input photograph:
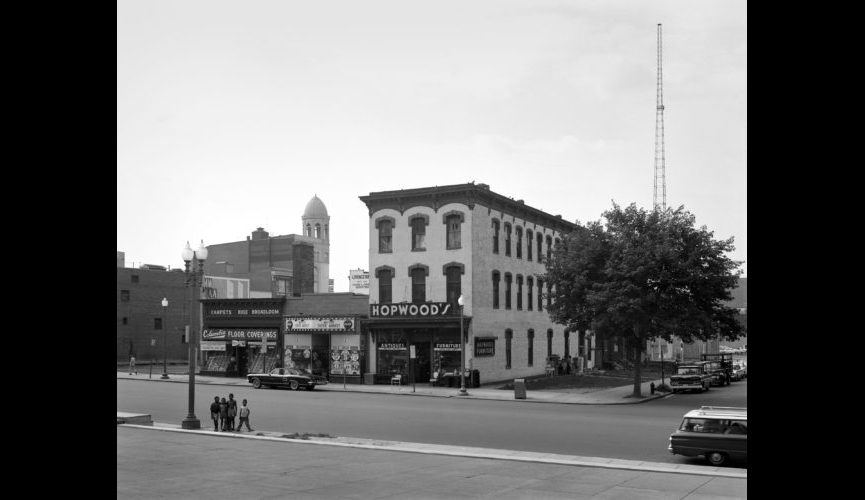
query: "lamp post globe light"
194, 280
463, 391
164, 347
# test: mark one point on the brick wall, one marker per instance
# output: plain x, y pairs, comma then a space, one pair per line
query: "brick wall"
135, 317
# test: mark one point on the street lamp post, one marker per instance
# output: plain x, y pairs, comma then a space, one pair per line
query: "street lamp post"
463, 391
164, 346
194, 280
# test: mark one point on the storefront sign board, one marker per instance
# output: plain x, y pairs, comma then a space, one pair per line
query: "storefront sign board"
238, 333
406, 310
447, 346
212, 346
306, 324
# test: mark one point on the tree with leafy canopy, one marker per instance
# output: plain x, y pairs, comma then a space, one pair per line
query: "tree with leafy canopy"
642, 276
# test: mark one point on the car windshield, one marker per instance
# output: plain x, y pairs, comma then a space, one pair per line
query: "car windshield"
688, 370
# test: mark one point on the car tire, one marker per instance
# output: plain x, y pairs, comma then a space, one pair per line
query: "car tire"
256, 382
292, 384
716, 458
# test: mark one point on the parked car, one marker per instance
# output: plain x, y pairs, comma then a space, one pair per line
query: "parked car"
691, 376
739, 372
717, 433
293, 378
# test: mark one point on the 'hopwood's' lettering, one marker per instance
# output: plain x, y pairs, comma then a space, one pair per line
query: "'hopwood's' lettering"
410, 310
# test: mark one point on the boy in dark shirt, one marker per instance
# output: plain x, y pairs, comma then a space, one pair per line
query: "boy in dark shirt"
214, 412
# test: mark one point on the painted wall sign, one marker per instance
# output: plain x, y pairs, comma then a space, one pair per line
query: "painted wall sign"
311, 323
406, 310
485, 348
238, 333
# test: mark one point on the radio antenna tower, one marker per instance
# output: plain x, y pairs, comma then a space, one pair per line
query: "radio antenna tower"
660, 198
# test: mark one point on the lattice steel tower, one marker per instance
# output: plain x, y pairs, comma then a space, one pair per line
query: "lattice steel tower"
660, 198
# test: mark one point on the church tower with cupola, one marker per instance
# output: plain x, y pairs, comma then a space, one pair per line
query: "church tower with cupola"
316, 230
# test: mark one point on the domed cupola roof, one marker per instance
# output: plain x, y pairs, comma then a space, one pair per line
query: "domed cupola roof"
315, 209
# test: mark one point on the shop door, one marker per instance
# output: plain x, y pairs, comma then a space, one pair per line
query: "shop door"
242, 361
422, 370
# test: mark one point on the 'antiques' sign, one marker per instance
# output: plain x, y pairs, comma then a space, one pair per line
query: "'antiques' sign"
485, 348
306, 324
238, 334
392, 346
406, 310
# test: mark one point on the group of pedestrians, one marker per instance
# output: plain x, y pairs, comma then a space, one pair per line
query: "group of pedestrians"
224, 412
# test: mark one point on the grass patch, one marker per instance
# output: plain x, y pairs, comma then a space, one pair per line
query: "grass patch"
598, 379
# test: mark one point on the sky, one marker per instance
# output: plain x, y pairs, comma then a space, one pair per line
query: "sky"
233, 115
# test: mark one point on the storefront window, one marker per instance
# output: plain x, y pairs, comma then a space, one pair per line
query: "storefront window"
447, 357
392, 352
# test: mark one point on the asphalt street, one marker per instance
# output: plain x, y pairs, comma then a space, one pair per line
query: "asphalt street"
158, 464
635, 432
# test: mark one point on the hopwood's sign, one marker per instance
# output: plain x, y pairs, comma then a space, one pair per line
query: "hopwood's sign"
239, 334
406, 310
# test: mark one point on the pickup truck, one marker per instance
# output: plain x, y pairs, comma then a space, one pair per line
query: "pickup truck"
695, 376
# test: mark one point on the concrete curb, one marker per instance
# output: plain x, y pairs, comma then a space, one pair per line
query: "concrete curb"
351, 388
469, 452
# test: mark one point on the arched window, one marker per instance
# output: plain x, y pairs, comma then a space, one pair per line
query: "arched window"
508, 280
519, 237
418, 233
519, 292
418, 273
496, 279
509, 337
540, 294
453, 285
385, 234
540, 244
495, 236
318, 231
507, 239
529, 284
549, 342
549, 294
528, 244
309, 229
385, 280
453, 228
549, 247
531, 346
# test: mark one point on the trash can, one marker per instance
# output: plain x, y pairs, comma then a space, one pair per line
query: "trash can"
519, 388
476, 379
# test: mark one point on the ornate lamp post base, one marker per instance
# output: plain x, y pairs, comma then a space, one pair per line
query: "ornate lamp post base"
190, 423
463, 392
164, 376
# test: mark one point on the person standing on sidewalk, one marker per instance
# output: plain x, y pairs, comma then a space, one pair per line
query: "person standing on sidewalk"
244, 418
214, 413
232, 411
223, 414
132, 365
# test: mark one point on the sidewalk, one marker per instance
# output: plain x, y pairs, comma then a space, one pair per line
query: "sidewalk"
611, 396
